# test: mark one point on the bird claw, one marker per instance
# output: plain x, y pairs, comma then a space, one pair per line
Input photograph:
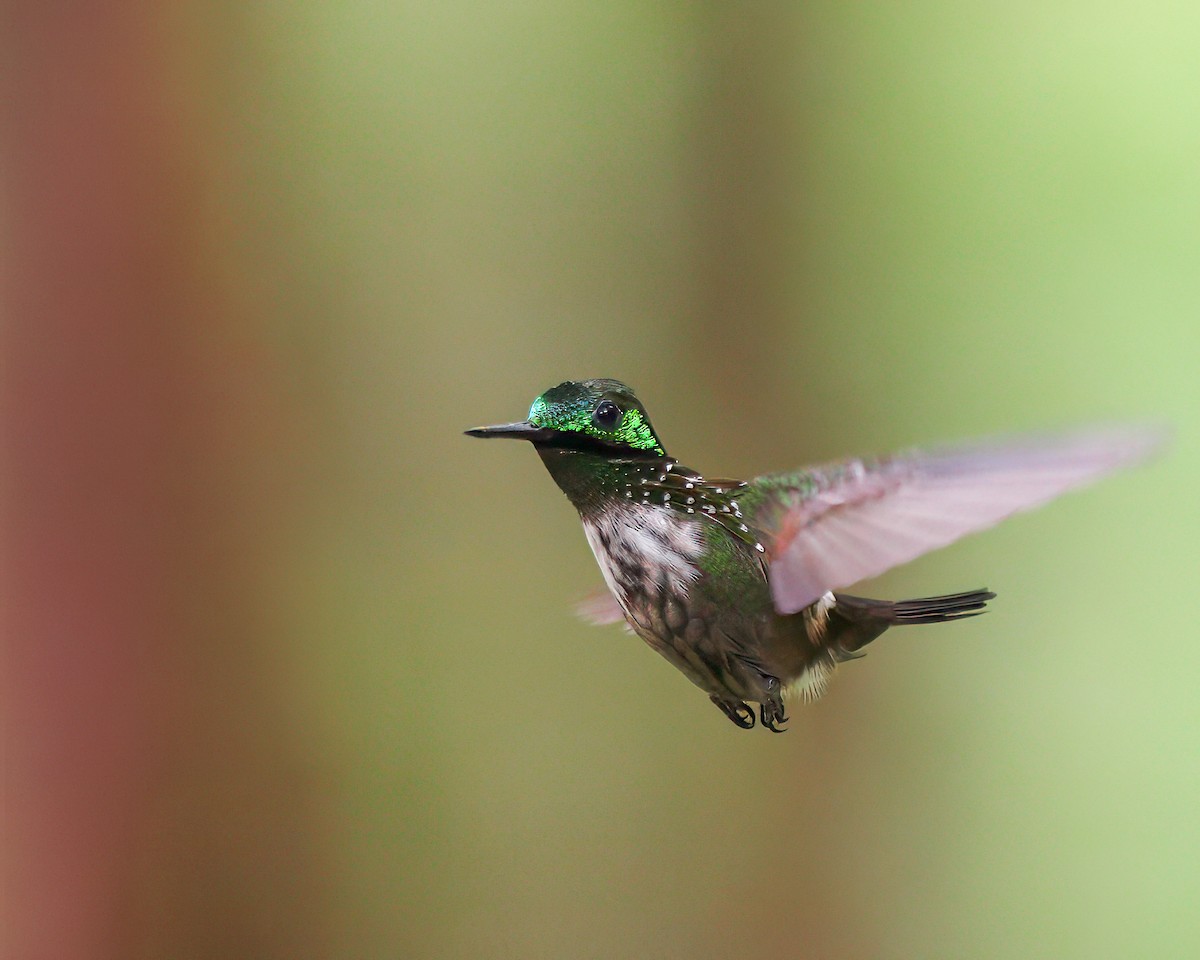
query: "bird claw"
770, 713
771, 709
737, 711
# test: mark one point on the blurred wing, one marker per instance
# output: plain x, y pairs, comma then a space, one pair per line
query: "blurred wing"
837, 525
600, 608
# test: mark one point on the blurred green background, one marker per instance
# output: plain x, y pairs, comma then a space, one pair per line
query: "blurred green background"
292, 664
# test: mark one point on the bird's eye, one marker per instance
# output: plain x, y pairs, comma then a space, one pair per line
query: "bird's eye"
607, 415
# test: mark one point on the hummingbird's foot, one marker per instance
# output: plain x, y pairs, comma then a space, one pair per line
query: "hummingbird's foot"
772, 712
767, 713
735, 710
771, 709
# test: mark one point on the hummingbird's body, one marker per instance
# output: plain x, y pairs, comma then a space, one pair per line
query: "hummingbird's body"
734, 583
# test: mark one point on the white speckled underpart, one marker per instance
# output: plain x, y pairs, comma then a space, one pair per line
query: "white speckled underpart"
666, 548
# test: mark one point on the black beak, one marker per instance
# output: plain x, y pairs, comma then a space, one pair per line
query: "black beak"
524, 430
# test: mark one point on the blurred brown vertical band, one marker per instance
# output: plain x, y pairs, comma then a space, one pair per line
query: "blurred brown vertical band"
155, 802
95, 418
745, 135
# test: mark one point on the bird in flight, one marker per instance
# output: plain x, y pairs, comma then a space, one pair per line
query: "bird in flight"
739, 583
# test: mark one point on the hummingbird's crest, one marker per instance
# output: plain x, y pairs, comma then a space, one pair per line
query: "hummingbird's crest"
606, 411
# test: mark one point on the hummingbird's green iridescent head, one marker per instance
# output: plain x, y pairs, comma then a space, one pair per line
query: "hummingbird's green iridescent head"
596, 416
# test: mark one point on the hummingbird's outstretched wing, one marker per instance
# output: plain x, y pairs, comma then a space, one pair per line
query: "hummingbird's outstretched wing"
831, 526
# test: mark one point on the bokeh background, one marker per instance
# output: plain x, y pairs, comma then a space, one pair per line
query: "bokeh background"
290, 664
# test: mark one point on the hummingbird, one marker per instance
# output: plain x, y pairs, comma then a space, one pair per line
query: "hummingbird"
739, 583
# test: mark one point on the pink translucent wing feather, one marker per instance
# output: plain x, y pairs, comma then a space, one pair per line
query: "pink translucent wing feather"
600, 608
874, 518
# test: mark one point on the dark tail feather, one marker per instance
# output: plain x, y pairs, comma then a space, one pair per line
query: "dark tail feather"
863, 619
953, 606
